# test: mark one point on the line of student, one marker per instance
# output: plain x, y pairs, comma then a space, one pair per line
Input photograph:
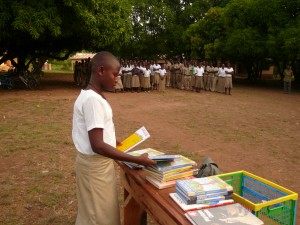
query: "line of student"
136, 76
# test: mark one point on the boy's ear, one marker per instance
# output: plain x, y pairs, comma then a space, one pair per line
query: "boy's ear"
100, 70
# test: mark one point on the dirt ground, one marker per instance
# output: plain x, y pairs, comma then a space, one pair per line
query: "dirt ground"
255, 129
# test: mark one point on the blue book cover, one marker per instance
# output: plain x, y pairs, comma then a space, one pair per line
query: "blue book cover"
206, 196
194, 200
203, 186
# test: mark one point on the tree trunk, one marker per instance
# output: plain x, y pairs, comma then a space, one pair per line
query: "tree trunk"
280, 66
296, 71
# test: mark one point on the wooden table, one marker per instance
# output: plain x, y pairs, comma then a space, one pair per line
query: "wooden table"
142, 198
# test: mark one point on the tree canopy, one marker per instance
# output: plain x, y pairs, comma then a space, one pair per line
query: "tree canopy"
252, 33
56, 28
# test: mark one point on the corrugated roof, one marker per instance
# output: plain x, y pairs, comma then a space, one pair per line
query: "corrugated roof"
80, 56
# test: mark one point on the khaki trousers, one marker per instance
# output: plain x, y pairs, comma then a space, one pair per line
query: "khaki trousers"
206, 82
96, 191
162, 84
221, 85
214, 80
187, 82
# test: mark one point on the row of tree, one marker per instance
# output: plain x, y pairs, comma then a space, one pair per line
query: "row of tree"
252, 33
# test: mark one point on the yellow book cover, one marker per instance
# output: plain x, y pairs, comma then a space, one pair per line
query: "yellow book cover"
133, 140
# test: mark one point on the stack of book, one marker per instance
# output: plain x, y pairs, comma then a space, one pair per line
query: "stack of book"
207, 190
200, 193
165, 173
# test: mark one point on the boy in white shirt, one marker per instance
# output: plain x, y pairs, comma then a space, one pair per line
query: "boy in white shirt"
94, 137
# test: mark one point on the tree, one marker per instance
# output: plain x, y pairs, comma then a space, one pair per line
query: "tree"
205, 37
160, 24
56, 28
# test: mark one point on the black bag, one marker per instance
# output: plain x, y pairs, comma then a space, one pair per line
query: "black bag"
208, 168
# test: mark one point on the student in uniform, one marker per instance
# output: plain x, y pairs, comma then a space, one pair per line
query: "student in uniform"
177, 74
135, 82
228, 79
119, 85
156, 81
221, 79
206, 76
142, 68
93, 134
199, 72
127, 77
213, 76
187, 77
152, 74
180, 80
193, 78
147, 74
162, 78
168, 76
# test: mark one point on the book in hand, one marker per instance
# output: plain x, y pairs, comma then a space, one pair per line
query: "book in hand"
193, 207
234, 214
133, 140
203, 186
164, 157
151, 152
172, 165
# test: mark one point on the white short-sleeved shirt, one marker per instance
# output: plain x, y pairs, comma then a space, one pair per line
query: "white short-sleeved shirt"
199, 71
152, 70
229, 70
156, 66
142, 68
147, 73
91, 111
222, 72
162, 72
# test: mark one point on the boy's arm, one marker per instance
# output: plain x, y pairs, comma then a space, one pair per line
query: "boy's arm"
100, 147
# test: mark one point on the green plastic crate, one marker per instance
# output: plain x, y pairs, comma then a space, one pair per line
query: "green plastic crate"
273, 204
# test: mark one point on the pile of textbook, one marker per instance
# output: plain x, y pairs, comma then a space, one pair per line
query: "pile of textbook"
200, 193
166, 172
168, 169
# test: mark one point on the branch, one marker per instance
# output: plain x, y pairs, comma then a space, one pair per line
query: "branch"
66, 56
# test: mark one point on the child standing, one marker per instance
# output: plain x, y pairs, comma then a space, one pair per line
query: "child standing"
94, 137
162, 80
147, 74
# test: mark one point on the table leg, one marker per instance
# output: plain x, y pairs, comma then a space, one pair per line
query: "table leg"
133, 212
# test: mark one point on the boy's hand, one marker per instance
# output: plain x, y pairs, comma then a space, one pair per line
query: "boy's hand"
145, 161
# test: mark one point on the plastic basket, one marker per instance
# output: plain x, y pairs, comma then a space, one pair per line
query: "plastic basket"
273, 204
